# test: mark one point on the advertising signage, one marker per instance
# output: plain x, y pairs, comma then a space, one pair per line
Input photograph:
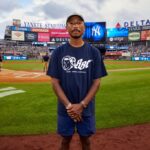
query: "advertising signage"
145, 35
134, 36
141, 58
15, 28
95, 31
15, 57
17, 35
58, 39
115, 47
117, 39
39, 30
131, 29
59, 33
139, 28
117, 32
146, 27
43, 37
41, 25
142, 22
31, 36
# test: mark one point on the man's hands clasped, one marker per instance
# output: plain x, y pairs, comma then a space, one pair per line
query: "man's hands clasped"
75, 111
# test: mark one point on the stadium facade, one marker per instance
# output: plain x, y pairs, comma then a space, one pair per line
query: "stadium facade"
119, 42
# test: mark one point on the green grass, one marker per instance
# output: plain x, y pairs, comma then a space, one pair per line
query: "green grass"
31, 112
32, 65
122, 100
126, 64
38, 65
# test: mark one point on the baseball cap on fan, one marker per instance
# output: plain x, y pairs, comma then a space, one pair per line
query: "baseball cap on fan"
73, 15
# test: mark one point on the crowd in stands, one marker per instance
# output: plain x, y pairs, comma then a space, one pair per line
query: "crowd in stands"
140, 50
32, 52
36, 52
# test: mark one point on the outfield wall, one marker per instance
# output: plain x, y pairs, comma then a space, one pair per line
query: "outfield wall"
10, 57
140, 58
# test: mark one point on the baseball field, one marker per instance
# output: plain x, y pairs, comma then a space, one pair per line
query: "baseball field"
28, 104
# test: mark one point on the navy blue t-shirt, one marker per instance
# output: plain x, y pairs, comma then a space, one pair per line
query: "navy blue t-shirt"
76, 68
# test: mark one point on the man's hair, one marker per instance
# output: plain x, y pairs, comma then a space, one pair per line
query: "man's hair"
79, 16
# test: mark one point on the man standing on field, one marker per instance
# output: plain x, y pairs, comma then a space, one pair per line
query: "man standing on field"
1, 61
75, 69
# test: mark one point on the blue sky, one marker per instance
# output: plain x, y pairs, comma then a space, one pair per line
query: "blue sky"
25, 2
52, 11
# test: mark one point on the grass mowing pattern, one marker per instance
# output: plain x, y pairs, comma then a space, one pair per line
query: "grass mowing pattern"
38, 65
30, 112
122, 100
126, 64
32, 65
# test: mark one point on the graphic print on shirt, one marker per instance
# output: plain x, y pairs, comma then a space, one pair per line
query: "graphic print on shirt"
69, 63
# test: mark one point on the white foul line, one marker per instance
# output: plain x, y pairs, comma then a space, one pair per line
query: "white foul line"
8, 88
28, 75
10, 93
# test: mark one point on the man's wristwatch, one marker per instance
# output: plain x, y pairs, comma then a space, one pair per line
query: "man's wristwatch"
83, 104
68, 106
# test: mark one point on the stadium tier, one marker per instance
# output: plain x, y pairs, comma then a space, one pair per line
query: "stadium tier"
116, 43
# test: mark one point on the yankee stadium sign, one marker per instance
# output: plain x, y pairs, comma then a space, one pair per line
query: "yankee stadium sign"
41, 25
137, 23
